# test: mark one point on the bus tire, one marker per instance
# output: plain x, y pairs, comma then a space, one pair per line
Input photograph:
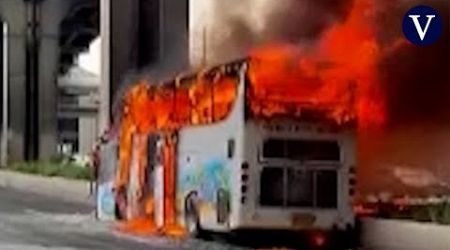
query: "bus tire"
191, 216
345, 238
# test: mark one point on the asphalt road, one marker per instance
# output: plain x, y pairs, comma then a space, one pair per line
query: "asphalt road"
35, 222
380, 234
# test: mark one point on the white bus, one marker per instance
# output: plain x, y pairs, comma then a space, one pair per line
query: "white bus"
276, 173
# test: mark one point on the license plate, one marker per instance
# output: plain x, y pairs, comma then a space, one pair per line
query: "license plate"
302, 220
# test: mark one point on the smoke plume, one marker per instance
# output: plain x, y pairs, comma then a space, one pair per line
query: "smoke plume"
414, 81
225, 30
416, 86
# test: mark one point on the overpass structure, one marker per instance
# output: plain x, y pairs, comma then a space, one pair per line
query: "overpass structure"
45, 37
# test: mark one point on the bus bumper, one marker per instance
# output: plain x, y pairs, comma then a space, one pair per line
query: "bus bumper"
294, 220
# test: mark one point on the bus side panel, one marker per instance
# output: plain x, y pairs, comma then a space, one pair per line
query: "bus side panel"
206, 167
207, 160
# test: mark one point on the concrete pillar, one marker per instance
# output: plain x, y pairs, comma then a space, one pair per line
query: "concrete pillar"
52, 13
124, 40
105, 66
87, 127
87, 134
13, 12
174, 36
148, 35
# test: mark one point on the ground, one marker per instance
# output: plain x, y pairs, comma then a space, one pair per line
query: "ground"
35, 222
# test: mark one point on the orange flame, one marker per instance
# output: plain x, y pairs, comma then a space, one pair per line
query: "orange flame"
339, 74
163, 109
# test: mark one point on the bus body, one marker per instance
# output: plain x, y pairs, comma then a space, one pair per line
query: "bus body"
245, 172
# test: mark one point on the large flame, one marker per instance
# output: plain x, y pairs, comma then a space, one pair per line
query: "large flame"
150, 108
339, 75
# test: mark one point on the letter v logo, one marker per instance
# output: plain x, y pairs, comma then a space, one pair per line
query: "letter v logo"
419, 29
422, 25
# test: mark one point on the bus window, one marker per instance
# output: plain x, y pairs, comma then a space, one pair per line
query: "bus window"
273, 148
326, 183
305, 150
272, 186
294, 187
300, 191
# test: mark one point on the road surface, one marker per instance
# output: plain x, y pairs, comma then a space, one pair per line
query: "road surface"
36, 222
404, 235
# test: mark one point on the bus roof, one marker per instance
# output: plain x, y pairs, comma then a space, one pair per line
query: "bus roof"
228, 68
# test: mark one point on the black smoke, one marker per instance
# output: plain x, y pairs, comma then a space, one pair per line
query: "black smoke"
416, 80
416, 85
233, 32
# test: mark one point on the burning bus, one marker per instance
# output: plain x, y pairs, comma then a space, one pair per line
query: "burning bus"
223, 150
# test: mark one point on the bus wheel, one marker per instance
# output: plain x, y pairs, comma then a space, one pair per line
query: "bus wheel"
191, 217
